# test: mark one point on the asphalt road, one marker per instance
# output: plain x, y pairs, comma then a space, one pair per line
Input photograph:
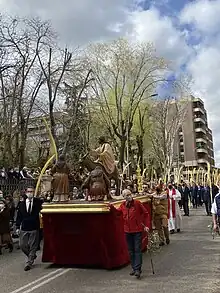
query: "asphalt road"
189, 264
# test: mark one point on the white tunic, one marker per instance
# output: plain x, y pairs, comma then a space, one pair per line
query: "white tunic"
174, 223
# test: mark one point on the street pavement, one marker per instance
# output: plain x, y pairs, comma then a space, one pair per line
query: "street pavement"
190, 264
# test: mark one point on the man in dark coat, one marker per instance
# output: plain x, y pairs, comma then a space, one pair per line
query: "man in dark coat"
185, 193
207, 199
28, 226
215, 191
5, 235
194, 195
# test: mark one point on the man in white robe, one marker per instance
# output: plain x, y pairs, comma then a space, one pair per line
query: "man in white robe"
174, 214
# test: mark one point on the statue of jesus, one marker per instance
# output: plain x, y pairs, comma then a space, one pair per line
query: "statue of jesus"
105, 155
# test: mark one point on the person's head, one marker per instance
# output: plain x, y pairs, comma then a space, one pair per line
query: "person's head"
170, 186
62, 158
130, 187
146, 187
184, 184
158, 189
7, 199
98, 168
1, 194
102, 140
30, 192
127, 195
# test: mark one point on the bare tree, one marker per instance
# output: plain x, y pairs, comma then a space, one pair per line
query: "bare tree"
21, 81
76, 107
54, 67
167, 116
123, 73
142, 118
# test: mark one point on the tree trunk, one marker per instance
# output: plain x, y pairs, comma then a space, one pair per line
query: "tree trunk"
122, 152
21, 156
22, 148
132, 167
7, 156
140, 145
53, 124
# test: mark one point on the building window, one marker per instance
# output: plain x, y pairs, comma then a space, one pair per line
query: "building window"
182, 159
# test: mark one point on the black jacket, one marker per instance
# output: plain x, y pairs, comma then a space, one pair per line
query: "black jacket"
206, 194
29, 222
194, 191
184, 193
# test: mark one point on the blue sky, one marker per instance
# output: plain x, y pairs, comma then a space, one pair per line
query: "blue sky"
188, 34
167, 6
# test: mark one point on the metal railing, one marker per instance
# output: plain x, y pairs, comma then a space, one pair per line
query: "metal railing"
9, 186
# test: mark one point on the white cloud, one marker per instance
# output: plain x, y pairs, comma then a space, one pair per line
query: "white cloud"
78, 22
151, 26
203, 14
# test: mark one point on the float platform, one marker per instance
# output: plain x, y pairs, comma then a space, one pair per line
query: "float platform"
88, 234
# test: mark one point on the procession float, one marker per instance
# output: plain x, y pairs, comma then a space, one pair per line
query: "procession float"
86, 232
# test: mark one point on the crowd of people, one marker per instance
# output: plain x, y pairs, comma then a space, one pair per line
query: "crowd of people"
17, 174
20, 215
197, 195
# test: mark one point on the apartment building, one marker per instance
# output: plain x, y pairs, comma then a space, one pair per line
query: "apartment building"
194, 140
37, 130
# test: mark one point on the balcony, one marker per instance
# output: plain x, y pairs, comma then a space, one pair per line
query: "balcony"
202, 140
199, 129
202, 150
197, 101
198, 109
199, 119
202, 161
181, 143
210, 139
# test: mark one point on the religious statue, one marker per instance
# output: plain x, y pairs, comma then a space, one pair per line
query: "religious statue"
106, 160
98, 185
60, 183
105, 155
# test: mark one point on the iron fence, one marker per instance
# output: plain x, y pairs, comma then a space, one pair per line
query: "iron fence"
9, 186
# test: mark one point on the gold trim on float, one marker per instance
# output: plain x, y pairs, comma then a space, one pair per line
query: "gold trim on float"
88, 207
